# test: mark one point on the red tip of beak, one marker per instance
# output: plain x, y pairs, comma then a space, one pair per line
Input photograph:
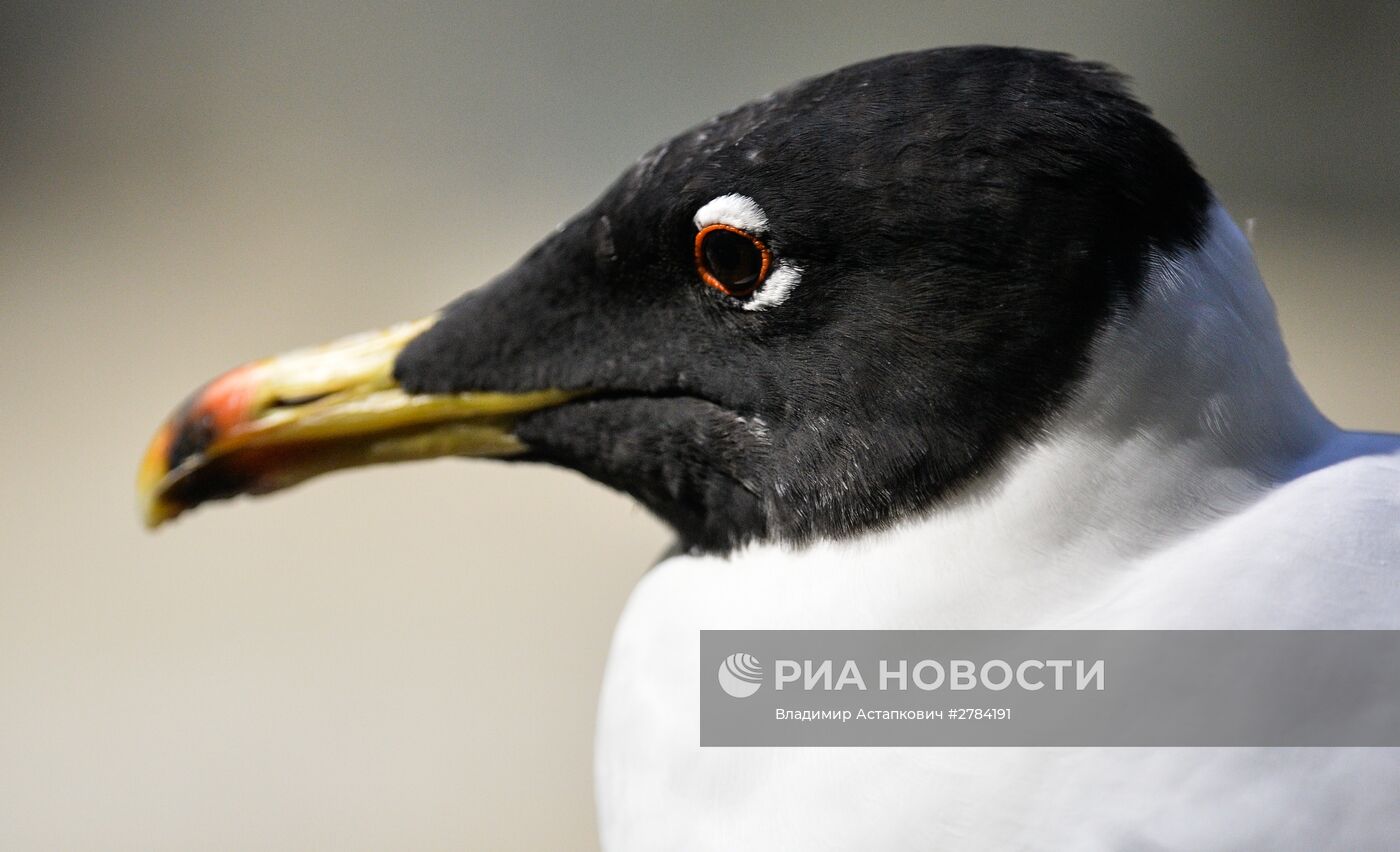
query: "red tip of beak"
212, 412
228, 401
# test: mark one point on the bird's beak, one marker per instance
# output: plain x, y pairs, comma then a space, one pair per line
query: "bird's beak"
279, 421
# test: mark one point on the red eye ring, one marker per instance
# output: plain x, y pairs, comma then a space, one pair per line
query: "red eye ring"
706, 275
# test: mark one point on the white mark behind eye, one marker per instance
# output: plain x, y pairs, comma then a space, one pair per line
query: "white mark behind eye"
737, 211
776, 287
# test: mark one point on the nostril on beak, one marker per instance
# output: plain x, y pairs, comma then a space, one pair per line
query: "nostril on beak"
295, 401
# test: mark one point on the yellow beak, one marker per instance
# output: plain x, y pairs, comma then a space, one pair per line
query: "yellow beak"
282, 420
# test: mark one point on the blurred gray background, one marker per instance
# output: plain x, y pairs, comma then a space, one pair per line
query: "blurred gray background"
409, 658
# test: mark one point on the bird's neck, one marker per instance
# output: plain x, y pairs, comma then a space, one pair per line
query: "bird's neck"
1189, 410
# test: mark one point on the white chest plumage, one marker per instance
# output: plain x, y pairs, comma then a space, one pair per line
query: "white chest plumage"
1191, 485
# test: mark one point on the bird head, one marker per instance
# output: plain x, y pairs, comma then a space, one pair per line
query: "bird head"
808, 317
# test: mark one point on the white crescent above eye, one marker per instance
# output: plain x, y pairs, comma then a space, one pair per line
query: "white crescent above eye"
738, 211
742, 212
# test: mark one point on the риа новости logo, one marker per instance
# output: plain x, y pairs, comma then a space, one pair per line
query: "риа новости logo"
740, 675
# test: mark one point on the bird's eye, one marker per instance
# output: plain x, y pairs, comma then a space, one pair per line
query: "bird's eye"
731, 260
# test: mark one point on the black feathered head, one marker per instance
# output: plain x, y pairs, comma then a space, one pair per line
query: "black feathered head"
808, 317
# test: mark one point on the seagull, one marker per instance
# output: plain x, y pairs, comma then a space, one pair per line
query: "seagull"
956, 338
